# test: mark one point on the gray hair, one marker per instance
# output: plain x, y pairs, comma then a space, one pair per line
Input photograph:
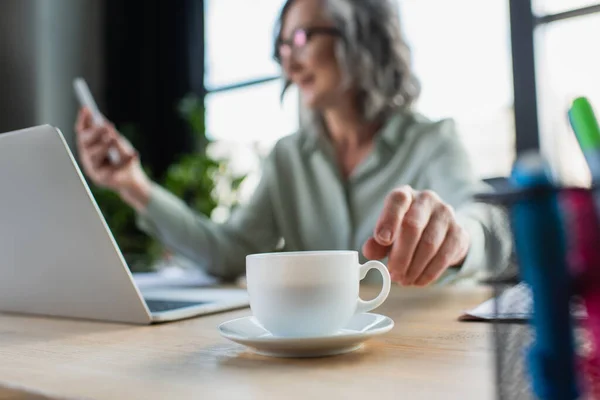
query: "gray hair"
373, 55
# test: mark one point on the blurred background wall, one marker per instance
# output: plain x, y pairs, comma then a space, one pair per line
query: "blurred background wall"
43, 44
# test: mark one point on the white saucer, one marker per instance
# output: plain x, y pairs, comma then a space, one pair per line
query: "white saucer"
249, 332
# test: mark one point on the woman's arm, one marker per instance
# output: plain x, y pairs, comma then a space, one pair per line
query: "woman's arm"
219, 248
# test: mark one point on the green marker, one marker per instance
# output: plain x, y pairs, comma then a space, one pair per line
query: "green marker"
587, 131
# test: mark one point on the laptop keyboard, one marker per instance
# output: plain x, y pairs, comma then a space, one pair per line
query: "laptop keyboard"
168, 305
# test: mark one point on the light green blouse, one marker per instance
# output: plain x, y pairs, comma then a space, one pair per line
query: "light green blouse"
303, 200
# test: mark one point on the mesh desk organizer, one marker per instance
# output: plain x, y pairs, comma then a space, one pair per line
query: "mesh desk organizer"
553, 353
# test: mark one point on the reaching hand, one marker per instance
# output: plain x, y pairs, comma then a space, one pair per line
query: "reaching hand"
419, 234
126, 176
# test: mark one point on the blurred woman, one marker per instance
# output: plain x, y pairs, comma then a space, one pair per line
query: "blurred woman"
365, 172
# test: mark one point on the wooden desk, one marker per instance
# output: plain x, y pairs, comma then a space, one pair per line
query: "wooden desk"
428, 355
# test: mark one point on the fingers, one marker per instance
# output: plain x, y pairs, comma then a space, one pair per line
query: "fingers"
95, 143
98, 153
396, 205
122, 145
454, 244
430, 242
84, 120
419, 235
411, 229
93, 136
373, 250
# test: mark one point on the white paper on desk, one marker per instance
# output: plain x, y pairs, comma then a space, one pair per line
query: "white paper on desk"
513, 304
173, 277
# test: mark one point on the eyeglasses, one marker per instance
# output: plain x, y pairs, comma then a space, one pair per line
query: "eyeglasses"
300, 38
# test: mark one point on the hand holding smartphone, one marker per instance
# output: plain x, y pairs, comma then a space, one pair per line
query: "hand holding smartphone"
85, 98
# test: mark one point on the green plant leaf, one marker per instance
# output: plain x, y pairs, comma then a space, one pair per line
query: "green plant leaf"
237, 182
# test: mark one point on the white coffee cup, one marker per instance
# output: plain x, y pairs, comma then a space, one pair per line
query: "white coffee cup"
302, 294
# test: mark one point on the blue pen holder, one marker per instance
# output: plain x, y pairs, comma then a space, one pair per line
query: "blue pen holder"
538, 357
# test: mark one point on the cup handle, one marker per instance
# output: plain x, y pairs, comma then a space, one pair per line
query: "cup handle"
366, 306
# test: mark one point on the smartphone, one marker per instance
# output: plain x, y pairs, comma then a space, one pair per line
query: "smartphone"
82, 91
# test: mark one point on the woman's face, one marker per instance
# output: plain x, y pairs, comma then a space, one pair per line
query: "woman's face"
307, 54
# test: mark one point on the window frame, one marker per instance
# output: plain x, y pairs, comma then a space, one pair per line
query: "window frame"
200, 89
523, 24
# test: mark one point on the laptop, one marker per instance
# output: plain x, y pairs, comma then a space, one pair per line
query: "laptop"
57, 254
